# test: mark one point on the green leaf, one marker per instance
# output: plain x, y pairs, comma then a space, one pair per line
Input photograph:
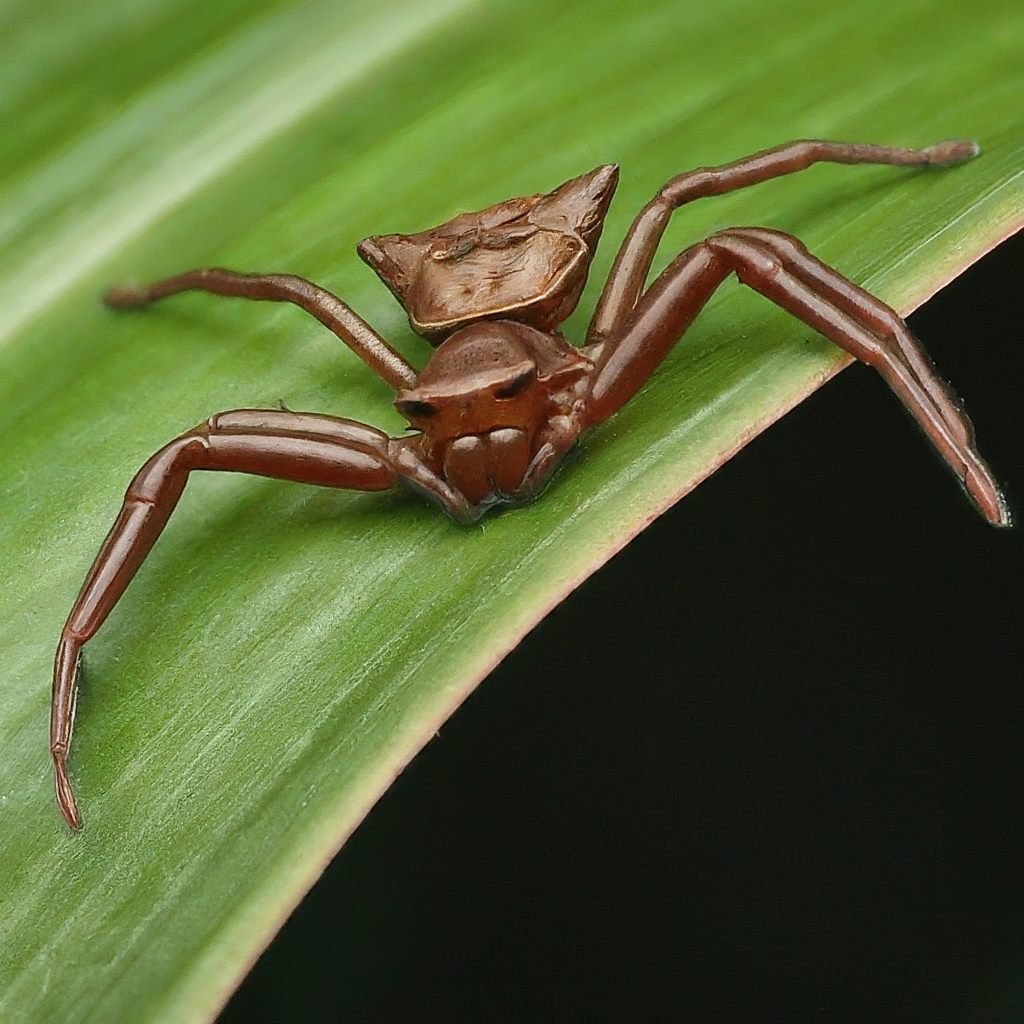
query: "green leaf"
285, 651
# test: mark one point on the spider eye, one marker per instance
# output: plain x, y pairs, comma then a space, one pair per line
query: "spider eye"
516, 385
413, 409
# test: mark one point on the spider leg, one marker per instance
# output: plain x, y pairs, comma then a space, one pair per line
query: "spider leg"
809, 290
302, 447
334, 314
896, 354
882, 320
626, 281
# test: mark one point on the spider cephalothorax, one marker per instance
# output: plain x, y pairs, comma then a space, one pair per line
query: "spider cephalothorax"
504, 396
482, 400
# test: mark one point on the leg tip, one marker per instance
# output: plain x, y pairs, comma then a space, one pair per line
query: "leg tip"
65, 795
125, 297
1004, 517
952, 151
989, 499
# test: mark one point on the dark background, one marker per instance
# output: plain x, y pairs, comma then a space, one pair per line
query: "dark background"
764, 766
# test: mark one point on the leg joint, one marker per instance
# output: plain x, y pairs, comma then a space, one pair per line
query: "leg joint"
748, 258
169, 463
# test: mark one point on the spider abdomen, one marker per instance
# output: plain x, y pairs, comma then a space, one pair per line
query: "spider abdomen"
522, 259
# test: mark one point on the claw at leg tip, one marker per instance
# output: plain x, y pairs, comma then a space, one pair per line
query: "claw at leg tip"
121, 297
999, 514
968, 149
65, 795
953, 151
989, 498
1005, 514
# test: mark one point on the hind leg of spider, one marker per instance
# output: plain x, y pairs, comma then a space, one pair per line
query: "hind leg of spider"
677, 296
302, 447
871, 312
334, 314
893, 351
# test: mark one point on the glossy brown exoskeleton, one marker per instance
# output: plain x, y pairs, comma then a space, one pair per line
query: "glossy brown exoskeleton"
505, 396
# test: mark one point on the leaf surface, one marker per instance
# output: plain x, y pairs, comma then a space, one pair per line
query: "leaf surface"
285, 651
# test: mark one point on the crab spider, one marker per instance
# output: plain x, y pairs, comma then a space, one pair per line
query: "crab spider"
504, 397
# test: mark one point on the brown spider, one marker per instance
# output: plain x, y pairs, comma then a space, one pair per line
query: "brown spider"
505, 396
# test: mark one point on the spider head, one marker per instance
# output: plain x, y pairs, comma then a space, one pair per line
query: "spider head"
480, 380
525, 259
483, 401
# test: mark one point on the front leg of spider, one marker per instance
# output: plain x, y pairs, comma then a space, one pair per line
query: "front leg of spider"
301, 447
504, 396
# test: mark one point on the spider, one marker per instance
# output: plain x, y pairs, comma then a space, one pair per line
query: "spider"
504, 397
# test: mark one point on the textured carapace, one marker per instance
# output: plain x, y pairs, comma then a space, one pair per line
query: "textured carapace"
504, 397
523, 259
486, 400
